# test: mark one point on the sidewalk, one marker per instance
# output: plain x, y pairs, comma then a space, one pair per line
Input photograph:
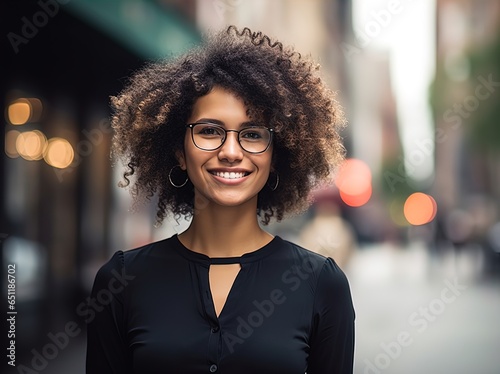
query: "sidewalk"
414, 315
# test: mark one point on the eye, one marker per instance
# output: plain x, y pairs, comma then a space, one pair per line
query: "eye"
253, 133
208, 130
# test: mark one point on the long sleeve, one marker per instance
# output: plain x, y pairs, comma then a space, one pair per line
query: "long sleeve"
332, 341
106, 347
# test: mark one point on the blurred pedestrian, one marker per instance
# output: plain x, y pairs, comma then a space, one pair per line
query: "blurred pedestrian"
239, 128
328, 233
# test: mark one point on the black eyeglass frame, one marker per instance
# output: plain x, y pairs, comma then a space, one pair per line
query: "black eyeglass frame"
192, 125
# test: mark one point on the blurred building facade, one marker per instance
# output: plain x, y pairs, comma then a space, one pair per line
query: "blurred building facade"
61, 63
376, 140
464, 29
314, 27
465, 97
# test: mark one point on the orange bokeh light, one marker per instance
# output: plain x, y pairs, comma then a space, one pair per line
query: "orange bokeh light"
30, 145
59, 153
19, 112
354, 181
10, 143
356, 200
354, 177
420, 208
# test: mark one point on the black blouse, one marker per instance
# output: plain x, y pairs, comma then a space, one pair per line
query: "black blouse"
288, 311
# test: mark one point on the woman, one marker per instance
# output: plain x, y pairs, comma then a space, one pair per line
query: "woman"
239, 128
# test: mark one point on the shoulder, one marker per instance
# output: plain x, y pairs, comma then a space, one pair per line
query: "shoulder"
308, 260
328, 280
323, 264
154, 249
133, 260
333, 281
318, 271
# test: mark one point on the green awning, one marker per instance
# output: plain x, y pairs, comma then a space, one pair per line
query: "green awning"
142, 26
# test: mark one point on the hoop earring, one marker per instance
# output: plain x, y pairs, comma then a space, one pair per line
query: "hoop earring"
170, 178
276, 184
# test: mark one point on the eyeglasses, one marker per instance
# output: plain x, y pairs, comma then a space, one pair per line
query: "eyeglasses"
209, 137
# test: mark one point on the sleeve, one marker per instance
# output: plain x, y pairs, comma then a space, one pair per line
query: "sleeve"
332, 339
106, 344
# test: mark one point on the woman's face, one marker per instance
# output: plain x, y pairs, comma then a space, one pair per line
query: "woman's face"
211, 172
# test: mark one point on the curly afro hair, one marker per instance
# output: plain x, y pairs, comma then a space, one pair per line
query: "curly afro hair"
281, 89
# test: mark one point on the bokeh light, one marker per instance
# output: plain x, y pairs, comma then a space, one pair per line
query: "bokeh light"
354, 182
397, 214
59, 153
10, 143
356, 200
420, 208
19, 112
24, 110
31, 145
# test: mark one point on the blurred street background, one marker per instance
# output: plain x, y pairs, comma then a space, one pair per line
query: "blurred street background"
412, 216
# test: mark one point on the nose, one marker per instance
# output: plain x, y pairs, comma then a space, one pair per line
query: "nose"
231, 150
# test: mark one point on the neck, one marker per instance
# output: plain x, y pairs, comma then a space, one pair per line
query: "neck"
219, 231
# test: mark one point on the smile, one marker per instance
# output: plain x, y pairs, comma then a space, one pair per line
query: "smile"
230, 175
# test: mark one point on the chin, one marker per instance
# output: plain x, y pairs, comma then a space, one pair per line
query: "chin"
233, 201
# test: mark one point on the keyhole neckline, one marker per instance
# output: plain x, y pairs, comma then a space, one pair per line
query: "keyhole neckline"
256, 255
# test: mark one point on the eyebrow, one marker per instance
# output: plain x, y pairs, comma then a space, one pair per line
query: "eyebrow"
221, 123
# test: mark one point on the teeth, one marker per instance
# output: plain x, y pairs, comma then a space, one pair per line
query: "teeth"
229, 175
